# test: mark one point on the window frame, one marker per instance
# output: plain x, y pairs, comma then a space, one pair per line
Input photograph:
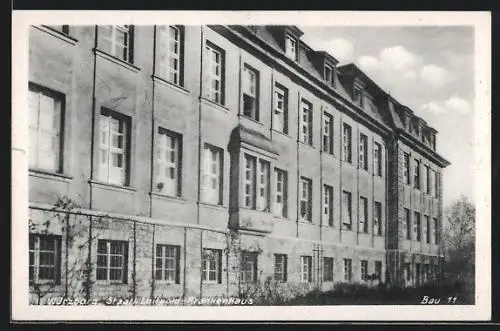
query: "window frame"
306, 267
377, 159
278, 92
357, 96
109, 255
216, 96
291, 47
363, 152
305, 199
128, 45
406, 168
207, 255
328, 133
329, 80
306, 126
435, 228
247, 92
346, 143
208, 177
363, 219
283, 193
59, 101
347, 270
328, 205
176, 164
417, 226
125, 123
328, 266
378, 227
164, 68
280, 275
164, 257
250, 260
407, 221
416, 174
35, 251
364, 270
347, 226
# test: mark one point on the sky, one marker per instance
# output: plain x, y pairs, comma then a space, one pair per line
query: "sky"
430, 70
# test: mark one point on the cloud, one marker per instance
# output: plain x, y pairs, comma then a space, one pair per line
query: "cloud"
434, 75
340, 48
454, 104
398, 58
394, 60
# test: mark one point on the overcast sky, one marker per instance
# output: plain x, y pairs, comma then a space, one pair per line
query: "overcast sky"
429, 69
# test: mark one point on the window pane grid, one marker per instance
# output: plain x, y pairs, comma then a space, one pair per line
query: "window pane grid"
110, 261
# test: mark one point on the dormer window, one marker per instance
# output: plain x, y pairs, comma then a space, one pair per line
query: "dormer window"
357, 96
329, 75
291, 47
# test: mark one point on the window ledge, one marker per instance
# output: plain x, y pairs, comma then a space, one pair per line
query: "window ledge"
211, 205
306, 222
281, 218
328, 226
167, 197
111, 187
110, 282
50, 175
214, 104
116, 60
173, 86
250, 119
281, 133
57, 34
306, 145
331, 155
166, 282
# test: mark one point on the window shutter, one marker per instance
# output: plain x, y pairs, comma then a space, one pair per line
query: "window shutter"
125, 262
207, 69
131, 44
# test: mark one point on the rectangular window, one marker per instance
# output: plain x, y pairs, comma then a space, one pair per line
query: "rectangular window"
214, 72
211, 266
263, 186
328, 205
280, 268
427, 180
213, 174
306, 269
45, 129
249, 267
306, 122
112, 260
281, 198
305, 199
114, 142
428, 228
357, 96
171, 53
416, 174
407, 272
363, 215
347, 147
167, 266
427, 273
377, 219
329, 75
44, 258
291, 47
328, 269
364, 270
346, 211
407, 223
378, 269
116, 40
435, 231
280, 109
250, 87
327, 133
436, 184
417, 273
250, 179
377, 159
417, 226
347, 270
169, 160
363, 151
406, 169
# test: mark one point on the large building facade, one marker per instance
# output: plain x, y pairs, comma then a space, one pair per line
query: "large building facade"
181, 145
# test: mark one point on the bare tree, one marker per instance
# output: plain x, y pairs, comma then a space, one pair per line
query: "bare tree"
460, 241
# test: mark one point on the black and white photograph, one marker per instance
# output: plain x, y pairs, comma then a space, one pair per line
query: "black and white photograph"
279, 165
